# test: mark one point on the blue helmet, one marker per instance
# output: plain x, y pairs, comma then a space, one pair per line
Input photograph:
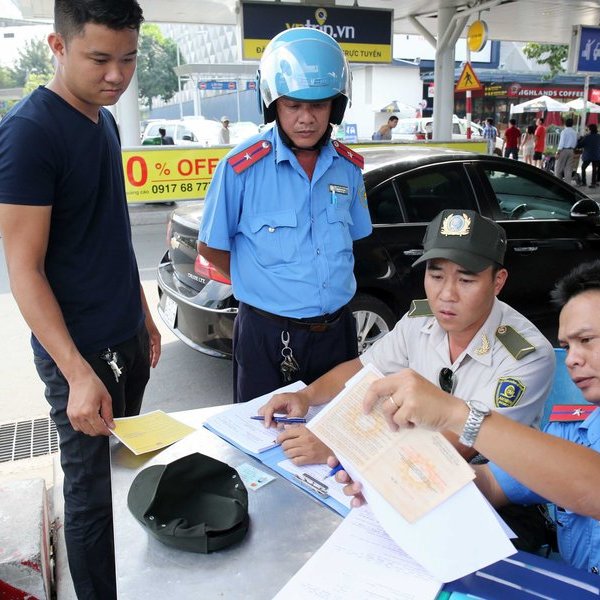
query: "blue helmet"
307, 65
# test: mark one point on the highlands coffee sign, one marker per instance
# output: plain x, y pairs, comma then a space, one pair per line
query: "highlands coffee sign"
517, 90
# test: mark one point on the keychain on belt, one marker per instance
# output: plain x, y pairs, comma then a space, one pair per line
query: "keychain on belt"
289, 365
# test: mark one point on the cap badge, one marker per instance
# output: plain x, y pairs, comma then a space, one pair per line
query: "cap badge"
456, 225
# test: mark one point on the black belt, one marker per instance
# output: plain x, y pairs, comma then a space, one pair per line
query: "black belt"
314, 324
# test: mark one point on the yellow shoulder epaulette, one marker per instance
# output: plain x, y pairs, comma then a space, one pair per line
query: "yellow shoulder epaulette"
249, 156
419, 308
514, 342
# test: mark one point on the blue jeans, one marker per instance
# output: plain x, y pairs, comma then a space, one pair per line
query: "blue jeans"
85, 461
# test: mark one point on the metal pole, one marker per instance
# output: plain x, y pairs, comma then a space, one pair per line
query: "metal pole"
583, 118
468, 106
179, 84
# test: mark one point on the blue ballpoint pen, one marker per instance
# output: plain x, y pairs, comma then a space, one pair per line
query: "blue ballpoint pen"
334, 470
284, 420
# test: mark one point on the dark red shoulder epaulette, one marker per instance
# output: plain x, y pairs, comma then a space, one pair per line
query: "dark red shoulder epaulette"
249, 156
571, 412
353, 157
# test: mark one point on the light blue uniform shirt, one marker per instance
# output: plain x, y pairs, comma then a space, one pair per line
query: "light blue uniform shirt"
290, 238
578, 536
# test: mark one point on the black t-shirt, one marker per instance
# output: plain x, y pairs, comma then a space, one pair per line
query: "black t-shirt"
52, 154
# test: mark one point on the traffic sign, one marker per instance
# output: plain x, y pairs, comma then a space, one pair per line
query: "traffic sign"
477, 36
584, 53
468, 80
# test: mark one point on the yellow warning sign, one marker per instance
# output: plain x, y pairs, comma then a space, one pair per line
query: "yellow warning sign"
467, 80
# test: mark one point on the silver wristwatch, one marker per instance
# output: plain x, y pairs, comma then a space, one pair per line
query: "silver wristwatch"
478, 411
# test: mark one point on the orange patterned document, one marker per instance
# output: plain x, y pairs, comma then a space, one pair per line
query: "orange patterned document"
413, 469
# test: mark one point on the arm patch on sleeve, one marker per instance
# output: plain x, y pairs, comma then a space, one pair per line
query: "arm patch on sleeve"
509, 391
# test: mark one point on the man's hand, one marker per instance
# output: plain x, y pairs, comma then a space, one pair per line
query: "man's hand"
302, 446
89, 407
409, 400
290, 404
154, 338
352, 488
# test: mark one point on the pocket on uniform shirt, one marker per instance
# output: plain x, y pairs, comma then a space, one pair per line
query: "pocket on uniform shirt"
338, 233
275, 237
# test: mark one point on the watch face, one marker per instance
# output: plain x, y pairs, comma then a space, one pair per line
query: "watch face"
480, 407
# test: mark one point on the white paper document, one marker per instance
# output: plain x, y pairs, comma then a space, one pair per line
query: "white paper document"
249, 435
457, 537
358, 561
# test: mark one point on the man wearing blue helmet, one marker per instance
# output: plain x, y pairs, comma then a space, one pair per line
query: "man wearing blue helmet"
280, 218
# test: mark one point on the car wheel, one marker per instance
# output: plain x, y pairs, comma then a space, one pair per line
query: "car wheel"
373, 320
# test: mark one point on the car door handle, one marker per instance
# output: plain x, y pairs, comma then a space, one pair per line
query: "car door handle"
414, 252
525, 248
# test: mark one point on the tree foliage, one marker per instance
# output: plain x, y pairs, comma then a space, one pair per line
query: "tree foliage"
7, 78
157, 57
34, 58
552, 55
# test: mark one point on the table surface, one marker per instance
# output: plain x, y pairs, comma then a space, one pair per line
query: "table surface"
286, 527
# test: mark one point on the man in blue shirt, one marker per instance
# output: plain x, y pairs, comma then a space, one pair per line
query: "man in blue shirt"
73, 273
490, 133
528, 466
280, 218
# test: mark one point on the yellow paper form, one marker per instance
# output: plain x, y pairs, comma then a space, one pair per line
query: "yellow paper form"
413, 469
150, 431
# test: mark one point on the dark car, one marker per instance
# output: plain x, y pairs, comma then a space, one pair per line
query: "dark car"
551, 226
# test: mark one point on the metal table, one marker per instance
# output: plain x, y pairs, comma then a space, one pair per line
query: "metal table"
286, 527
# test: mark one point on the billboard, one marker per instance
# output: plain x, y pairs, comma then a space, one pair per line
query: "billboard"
365, 35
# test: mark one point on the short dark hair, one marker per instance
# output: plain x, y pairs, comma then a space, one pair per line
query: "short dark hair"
162, 131
541, 119
593, 128
513, 121
531, 129
582, 278
569, 123
490, 121
393, 118
71, 16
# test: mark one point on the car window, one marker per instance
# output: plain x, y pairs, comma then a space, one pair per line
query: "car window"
528, 196
383, 205
407, 126
456, 129
427, 191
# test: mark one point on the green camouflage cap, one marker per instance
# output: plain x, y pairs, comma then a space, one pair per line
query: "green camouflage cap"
466, 238
195, 503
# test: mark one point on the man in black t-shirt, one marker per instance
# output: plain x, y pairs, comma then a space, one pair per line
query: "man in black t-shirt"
73, 273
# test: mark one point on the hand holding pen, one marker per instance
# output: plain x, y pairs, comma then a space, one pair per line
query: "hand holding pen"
290, 405
280, 419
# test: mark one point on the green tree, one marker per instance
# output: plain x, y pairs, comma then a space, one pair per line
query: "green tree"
553, 55
157, 57
34, 80
34, 58
7, 78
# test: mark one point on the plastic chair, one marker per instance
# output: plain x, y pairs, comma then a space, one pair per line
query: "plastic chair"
563, 390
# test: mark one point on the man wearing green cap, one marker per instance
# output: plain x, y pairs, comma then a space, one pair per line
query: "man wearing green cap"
461, 337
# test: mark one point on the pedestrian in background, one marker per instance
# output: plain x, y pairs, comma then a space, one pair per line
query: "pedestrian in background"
224, 131
385, 131
280, 218
490, 133
165, 140
510, 145
528, 144
540, 142
73, 273
590, 144
563, 168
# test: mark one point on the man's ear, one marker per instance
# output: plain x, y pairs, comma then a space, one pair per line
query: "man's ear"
500, 280
57, 45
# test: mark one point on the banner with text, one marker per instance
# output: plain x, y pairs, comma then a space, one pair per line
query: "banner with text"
365, 35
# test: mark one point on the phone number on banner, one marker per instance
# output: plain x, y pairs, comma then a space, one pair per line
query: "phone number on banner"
159, 174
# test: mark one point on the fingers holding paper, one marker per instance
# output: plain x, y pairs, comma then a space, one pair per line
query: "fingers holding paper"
289, 404
352, 488
408, 400
302, 446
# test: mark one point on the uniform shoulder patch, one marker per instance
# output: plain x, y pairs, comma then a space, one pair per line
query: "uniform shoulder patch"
514, 342
571, 412
353, 157
249, 156
419, 308
509, 391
